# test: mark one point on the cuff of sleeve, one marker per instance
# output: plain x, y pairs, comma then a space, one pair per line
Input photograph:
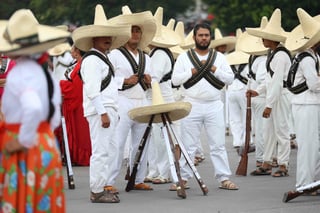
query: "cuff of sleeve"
98, 105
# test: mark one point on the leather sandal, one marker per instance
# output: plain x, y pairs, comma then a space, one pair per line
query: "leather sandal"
104, 197
261, 171
228, 185
173, 187
142, 186
111, 189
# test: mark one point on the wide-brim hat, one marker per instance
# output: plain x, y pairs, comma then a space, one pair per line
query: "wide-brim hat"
23, 35
273, 30
175, 110
59, 49
144, 20
219, 40
306, 34
251, 44
238, 56
165, 37
101, 27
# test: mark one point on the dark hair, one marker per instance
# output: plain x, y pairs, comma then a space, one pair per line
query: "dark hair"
201, 25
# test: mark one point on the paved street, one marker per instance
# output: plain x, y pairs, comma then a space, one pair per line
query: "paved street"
261, 194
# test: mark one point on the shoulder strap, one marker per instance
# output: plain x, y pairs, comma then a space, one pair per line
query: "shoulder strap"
252, 58
167, 76
237, 73
106, 81
292, 74
136, 68
272, 54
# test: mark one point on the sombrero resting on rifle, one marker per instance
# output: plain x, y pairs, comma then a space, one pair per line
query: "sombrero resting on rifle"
175, 110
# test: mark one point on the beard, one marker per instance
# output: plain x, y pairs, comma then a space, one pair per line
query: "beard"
202, 46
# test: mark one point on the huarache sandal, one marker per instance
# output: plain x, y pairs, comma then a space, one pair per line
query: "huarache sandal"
142, 186
261, 171
160, 180
281, 172
275, 163
173, 187
104, 197
228, 185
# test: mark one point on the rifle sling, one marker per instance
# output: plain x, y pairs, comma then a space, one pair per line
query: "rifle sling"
136, 68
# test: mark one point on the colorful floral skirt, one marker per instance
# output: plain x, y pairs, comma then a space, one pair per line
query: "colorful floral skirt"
31, 180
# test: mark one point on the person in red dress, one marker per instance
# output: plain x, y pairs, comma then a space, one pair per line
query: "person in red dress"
76, 124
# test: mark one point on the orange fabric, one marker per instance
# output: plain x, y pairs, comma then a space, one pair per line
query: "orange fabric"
32, 180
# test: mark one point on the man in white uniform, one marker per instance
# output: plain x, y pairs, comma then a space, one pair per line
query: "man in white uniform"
203, 72
132, 71
100, 99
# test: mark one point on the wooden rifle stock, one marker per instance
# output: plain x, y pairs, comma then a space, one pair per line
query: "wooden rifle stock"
293, 194
132, 178
243, 164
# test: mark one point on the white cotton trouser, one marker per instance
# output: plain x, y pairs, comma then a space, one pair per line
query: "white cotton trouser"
277, 131
307, 128
103, 150
237, 116
210, 116
258, 104
124, 126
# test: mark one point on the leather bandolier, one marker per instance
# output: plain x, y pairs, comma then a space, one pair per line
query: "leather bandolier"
237, 73
136, 68
252, 58
204, 70
168, 75
106, 81
270, 57
292, 74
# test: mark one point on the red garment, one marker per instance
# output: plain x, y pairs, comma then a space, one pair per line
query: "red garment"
4, 75
76, 124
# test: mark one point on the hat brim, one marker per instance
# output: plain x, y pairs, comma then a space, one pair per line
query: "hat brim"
176, 111
176, 51
82, 36
59, 49
144, 20
230, 41
262, 33
167, 38
297, 41
251, 44
48, 37
237, 57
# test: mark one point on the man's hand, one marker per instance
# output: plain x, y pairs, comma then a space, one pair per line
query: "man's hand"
213, 69
105, 120
194, 71
147, 78
267, 112
132, 80
251, 93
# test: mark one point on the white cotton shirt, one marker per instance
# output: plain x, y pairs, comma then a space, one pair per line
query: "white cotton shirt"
259, 68
202, 90
273, 86
25, 100
60, 65
124, 70
93, 71
307, 72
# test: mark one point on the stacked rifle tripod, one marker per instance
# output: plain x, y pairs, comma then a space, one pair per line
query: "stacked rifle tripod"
165, 114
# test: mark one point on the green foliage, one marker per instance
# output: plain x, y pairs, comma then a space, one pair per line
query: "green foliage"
233, 14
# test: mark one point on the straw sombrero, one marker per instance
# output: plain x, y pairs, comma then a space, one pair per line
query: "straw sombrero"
273, 30
23, 35
144, 20
219, 40
306, 34
101, 27
251, 44
238, 56
177, 50
175, 110
59, 49
164, 37
188, 41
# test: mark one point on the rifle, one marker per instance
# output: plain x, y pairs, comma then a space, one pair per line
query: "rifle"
67, 154
243, 164
187, 157
312, 187
144, 139
174, 156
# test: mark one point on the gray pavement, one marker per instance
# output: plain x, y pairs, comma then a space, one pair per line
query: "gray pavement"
262, 194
